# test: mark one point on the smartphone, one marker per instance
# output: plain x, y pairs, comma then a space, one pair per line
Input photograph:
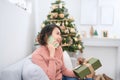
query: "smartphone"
51, 40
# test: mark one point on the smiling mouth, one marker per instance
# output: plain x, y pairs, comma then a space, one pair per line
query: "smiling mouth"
59, 41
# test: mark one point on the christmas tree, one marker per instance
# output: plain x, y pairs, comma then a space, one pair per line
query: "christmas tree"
71, 40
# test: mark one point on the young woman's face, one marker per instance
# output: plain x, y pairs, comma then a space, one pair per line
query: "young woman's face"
57, 35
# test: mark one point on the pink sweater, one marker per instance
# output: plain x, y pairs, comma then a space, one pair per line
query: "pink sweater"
53, 67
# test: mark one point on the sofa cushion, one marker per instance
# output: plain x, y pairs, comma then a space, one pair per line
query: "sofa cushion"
12, 72
67, 60
32, 71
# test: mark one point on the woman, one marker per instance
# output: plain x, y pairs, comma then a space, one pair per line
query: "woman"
49, 56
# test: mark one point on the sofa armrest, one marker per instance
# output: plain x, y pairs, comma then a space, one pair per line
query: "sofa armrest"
32, 71
23, 70
12, 72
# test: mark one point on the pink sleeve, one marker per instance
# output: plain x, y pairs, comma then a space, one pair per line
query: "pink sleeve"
49, 67
67, 72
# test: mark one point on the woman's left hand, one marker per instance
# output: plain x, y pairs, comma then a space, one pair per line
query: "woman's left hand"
91, 75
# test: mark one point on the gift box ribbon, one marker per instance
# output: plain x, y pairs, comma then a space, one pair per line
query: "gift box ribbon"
89, 66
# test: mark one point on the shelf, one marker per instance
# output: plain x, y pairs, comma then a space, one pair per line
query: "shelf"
110, 42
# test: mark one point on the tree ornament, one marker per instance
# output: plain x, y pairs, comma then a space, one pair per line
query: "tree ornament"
53, 7
75, 39
43, 25
105, 33
72, 30
79, 46
71, 19
60, 5
66, 31
71, 40
95, 33
61, 15
58, 24
66, 22
91, 31
55, 15
51, 15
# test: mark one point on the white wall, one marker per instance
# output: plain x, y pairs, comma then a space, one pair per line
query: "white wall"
41, 8
74, 7
16, 33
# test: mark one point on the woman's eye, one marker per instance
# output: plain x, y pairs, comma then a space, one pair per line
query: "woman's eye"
58, 33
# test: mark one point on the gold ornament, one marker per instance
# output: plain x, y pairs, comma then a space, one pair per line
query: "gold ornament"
43, 25
66, 31
51, 17
60, 5
55, 15
79, 46
75, 39
61, 15
72, 30
58, 24
66, 23
54, 6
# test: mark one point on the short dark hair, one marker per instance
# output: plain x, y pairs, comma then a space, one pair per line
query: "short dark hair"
45, 33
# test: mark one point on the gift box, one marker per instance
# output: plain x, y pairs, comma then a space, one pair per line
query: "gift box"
86, 68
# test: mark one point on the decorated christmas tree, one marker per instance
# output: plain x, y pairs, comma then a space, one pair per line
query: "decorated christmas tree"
71, 40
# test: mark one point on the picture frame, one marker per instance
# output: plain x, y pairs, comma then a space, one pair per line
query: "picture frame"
89, 12
107, 15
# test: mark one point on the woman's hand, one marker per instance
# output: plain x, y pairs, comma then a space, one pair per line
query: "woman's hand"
91, 75
51, 48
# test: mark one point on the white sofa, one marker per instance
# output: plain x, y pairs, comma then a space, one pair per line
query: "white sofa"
26, 70
23, 70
